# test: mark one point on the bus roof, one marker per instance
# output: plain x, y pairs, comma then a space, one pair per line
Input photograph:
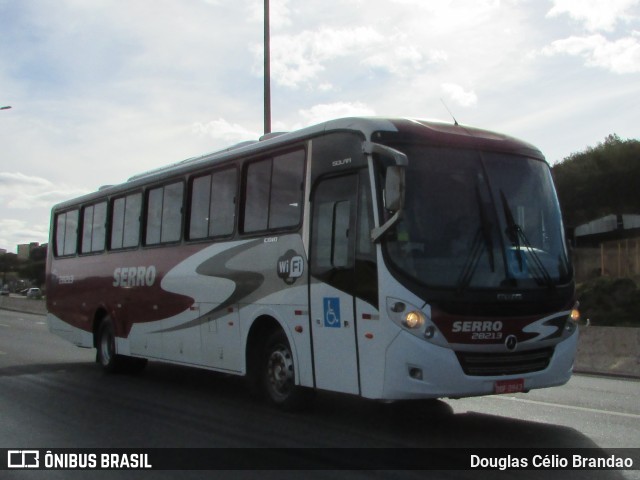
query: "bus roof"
424, 131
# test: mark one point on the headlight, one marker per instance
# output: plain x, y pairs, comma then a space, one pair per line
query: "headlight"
414, 319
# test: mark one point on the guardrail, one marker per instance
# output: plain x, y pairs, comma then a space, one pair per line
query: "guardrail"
601, 350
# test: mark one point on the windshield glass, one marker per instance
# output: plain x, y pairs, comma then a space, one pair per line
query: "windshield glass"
478, 220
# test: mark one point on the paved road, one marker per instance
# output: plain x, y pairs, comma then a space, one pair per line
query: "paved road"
52, 395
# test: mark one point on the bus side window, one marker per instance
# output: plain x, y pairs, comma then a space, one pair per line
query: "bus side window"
257, 190
213, 205
286, 190
200, 207
223, 203
93, 228
273, 192
67, 233
125, 221
164, 214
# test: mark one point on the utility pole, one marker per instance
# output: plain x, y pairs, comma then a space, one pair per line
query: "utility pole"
267, 71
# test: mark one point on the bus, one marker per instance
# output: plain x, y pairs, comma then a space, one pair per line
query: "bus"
385, 258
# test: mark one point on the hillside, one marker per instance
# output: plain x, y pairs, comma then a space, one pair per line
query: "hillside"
599, 181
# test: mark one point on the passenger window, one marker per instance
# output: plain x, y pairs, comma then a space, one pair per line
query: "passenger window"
93, 228
125, 221
286, 190
67, 233
273, 192
213, 205
257, 191
164, 214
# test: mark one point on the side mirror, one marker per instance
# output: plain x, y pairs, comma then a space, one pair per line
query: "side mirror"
394, 184
394, 188
393, 199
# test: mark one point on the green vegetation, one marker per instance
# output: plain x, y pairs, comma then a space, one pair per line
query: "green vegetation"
599, 181
610, 302
19, 273
596, 182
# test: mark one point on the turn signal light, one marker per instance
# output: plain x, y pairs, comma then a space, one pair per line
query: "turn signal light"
575, 313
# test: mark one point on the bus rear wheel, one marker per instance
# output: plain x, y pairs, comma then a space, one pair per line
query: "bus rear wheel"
107, 357
106, 343
278, 374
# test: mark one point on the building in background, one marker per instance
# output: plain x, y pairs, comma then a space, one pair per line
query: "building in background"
24, 250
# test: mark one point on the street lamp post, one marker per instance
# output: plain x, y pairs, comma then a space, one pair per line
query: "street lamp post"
267, 71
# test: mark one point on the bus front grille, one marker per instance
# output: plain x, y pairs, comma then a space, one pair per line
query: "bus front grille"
490, 364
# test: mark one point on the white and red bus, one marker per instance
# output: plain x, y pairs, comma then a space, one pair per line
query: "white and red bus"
386, 258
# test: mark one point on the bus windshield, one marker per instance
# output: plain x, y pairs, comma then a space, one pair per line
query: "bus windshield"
478, 220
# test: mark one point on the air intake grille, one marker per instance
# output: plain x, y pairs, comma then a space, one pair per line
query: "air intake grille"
491, 364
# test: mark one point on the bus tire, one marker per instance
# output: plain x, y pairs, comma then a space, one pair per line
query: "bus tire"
106, 344
278, 374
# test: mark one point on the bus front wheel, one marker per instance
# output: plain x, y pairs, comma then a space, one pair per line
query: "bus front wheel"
278, 374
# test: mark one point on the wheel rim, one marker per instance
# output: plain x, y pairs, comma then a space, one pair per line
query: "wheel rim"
280, 373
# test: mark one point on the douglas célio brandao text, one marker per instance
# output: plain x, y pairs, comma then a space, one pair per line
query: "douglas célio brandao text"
551, 461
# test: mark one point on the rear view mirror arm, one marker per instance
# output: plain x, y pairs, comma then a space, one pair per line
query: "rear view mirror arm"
395, 183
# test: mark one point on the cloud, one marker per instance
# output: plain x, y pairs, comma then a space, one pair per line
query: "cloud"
20, 191
619, 56
459, 95
594, 14
279, 13
404, 59
26, 201
299, 59
224, 131
323, 112
15, 232
17, 179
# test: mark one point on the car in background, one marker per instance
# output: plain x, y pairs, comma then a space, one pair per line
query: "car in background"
34, 292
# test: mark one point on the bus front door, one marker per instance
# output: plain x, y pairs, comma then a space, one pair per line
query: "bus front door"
331, 284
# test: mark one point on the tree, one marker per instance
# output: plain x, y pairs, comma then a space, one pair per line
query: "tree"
32, 270
8, 264
599, 181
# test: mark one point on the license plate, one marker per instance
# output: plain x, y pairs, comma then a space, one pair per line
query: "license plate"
509, 386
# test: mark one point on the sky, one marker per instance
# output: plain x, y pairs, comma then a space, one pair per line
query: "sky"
103, 89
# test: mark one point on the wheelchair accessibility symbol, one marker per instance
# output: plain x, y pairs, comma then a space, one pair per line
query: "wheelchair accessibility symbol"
331, 312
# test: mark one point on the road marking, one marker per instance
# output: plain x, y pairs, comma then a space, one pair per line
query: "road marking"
568, 407
5, 325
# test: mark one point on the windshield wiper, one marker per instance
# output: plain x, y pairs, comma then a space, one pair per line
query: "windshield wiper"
513, 230
516, 235
481, 241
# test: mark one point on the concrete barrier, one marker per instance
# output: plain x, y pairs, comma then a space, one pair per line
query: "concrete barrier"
609, 350
23, 304
601, 350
